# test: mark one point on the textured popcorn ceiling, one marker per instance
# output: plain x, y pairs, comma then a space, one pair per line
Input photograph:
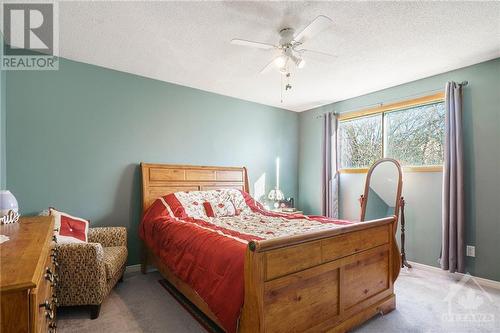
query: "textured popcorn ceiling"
378, 44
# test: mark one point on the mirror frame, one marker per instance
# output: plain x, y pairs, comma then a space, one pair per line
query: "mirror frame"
365, 199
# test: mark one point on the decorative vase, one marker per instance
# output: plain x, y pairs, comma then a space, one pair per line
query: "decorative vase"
9, 209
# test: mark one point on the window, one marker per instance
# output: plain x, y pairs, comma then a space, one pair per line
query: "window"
411, 132
360, 140
414, 136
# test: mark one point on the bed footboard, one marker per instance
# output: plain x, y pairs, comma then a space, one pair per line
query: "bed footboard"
327, 281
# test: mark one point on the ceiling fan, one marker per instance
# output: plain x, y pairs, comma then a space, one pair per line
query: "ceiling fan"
289, 46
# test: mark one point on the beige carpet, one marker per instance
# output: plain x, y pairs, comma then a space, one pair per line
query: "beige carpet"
426, 302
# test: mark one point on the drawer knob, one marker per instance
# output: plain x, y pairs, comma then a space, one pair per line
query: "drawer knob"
54, 238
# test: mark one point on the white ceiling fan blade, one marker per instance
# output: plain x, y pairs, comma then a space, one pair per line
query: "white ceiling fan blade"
319, 53
249, 43
319, 24
269, 66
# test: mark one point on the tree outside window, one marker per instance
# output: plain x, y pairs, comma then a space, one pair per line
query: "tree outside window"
414, 136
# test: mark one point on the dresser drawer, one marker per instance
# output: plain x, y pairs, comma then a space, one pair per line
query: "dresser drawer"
44, 302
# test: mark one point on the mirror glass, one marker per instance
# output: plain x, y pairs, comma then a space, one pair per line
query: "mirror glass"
381, 190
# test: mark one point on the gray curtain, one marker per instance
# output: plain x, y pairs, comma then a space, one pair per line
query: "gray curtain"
330, 175
453, 244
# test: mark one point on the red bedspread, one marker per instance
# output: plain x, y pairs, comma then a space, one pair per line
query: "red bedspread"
209, 254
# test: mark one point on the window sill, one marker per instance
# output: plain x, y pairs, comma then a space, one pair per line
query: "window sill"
430, 168
354, 170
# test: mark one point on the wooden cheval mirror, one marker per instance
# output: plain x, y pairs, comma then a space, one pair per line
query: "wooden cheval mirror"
382, 196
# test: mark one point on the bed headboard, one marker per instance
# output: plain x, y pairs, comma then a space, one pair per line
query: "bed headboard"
161, 179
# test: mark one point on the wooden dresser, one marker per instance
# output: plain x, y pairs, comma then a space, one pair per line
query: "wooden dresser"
28, 276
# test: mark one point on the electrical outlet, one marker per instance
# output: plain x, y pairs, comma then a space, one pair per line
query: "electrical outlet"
471, 251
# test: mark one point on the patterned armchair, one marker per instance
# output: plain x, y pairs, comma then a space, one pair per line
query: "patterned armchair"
88, 271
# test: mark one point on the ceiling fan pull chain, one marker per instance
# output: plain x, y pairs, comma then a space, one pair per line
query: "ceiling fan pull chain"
288, 85
281, 87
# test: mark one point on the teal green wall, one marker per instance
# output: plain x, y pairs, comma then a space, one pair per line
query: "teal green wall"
481, 122
2, 131
2, 127
76, 135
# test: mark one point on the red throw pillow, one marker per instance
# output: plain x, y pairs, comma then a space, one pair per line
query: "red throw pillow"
70, 226
208, 209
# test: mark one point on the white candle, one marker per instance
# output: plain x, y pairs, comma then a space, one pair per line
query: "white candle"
277, 173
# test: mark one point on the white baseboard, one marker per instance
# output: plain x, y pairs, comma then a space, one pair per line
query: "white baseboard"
456, 276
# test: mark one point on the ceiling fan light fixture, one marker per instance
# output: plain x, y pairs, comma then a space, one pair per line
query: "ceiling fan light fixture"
298, 61
280, 61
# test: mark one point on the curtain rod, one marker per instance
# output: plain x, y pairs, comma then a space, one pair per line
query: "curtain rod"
463, 84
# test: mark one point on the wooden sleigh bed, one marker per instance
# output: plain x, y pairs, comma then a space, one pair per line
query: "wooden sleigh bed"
323, 281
